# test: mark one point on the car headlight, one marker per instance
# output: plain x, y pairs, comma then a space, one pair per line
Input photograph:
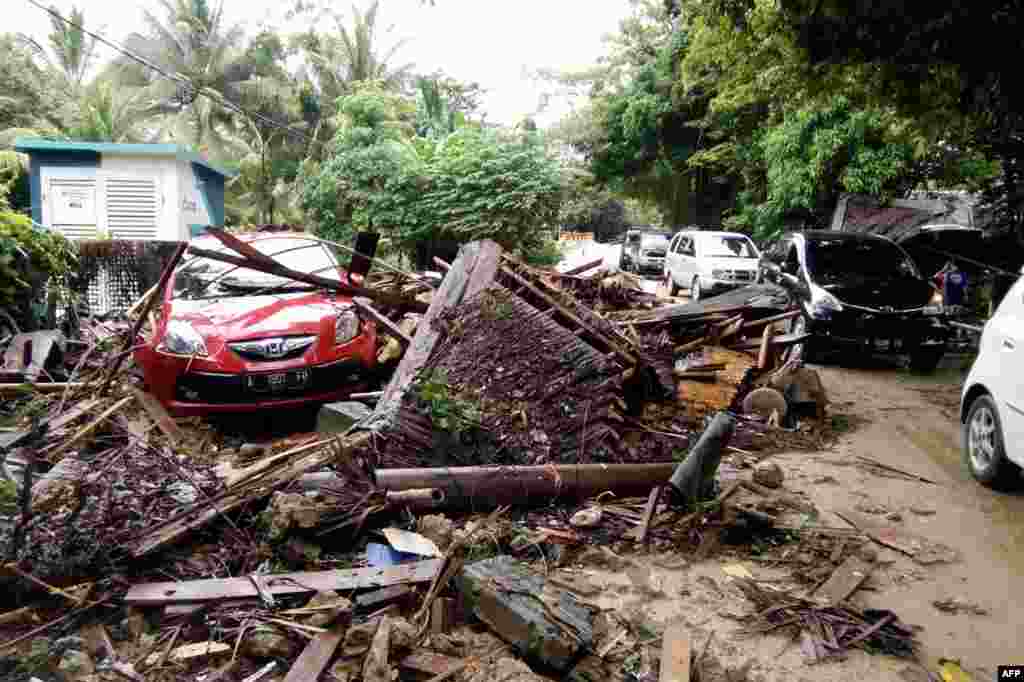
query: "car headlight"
181, 338
719, 274
823, 304
346, 327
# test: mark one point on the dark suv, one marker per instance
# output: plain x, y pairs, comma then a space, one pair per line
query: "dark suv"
858, 290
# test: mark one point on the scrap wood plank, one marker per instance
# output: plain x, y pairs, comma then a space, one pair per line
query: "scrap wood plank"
773, 318
778, 341
429, 663
762, 353
60, 421
844, 581
88, 428
675, 654
315, 657
388, 298
156, 411
645, 522
256, 482
383, 596
364, 305
220, 589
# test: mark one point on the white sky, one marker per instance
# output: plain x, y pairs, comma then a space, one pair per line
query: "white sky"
494, 42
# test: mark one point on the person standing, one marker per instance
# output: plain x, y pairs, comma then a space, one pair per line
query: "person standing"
953, 284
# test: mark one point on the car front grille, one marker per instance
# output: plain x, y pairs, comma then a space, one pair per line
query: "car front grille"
210, 387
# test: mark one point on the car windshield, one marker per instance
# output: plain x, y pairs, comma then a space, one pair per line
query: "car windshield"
727, 246
203, 277
655, 242
836, 259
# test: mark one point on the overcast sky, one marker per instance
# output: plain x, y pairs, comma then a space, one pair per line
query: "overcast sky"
494, 42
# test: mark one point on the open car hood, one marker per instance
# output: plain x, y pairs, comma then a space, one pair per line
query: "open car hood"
897, 291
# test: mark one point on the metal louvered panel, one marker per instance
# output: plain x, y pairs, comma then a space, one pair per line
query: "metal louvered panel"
132, 208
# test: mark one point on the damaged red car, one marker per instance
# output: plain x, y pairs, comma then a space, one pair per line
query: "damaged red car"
233, 339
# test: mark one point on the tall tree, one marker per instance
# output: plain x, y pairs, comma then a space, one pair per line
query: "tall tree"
29, 101
192, 41
73, 51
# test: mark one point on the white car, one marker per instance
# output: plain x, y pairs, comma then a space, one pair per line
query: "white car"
709, 262
992, 403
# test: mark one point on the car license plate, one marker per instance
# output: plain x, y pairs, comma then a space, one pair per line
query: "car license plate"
277, 382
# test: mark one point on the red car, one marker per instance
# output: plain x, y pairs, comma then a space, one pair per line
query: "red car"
232, 339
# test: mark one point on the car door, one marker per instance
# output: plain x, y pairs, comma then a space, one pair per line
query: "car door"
687, 260
671, 257
1005, 334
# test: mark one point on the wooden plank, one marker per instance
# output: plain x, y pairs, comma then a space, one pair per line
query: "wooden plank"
385, 297
691, 345
645, 523
7, 389
219, 589
675, 654
88, 428
237, 245
428, 663
752, 324
315, 657
762, 353
383, 596
364, 305
156, 411
582, 268
767, 296
844, 581
778, 341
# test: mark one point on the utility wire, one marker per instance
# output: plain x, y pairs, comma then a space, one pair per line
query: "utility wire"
209, 93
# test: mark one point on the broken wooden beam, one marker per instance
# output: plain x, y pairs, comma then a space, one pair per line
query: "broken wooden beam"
384, 297
315, 657
163, 419
763, 352
789, 315
521, 485
7, 389
543, 622
221, 589
582, 268
649, 508
429, 663
844, 581
778, 341
364, 306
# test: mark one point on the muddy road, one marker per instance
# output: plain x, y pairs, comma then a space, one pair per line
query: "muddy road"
906, 421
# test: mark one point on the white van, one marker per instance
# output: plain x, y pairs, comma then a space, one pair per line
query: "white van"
709, 262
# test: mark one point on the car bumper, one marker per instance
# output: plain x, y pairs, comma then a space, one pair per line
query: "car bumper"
198, 393
715, 286
651, 264
856, 327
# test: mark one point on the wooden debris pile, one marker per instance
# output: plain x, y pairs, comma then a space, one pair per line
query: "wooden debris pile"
828, 632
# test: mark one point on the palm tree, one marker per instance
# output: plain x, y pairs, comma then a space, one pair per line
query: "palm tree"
335, 61
71, 50
202, 54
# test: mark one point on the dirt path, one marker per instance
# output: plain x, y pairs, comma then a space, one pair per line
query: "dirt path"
913, 424
905, 421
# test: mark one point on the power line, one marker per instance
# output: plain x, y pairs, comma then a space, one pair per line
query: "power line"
209, 93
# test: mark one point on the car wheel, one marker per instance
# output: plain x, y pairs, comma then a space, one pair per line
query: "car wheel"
695, 292
984, 447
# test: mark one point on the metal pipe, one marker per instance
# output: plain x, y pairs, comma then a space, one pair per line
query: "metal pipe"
417, 498
478, 487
